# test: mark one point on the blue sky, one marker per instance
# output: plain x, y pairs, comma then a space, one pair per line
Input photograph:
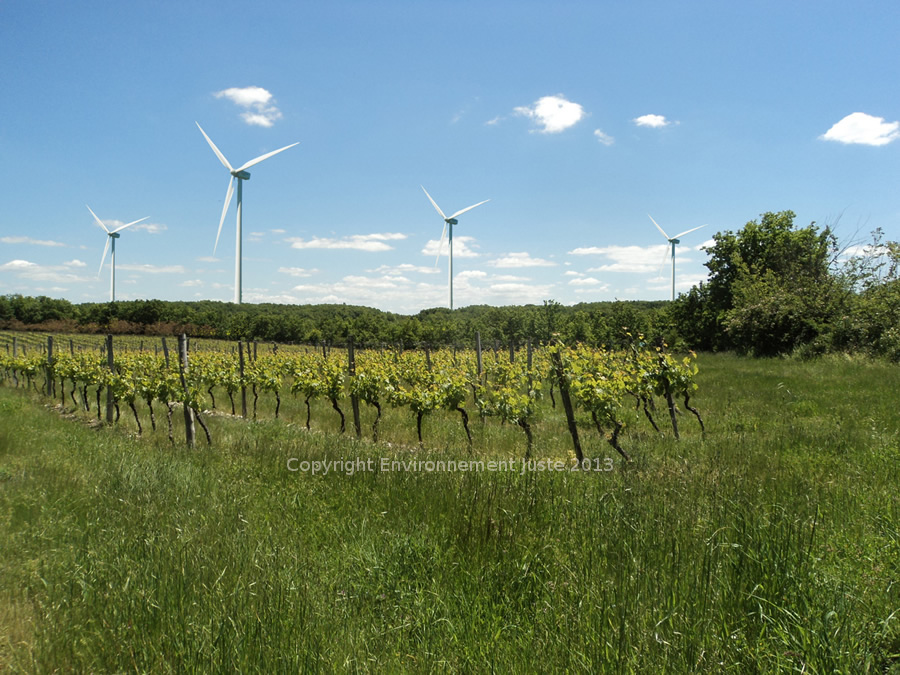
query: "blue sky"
576, 119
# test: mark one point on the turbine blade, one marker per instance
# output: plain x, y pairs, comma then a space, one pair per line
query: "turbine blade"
678, 236
469, 208
440, 245
433, 203
665, 259
99, 222
103, 259
253, 162
659, 228
224, 211
215, 149
134, 222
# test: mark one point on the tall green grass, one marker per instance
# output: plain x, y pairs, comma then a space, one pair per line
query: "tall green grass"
772, 544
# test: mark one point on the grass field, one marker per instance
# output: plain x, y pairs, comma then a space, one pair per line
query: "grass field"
772, 544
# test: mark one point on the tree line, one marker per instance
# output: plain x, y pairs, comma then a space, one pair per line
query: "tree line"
773, 288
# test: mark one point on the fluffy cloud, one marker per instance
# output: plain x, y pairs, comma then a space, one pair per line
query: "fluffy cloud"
297, 271
356, 242
30, 271
29, 240
602, 138
862, 129
152, 269
638, 259
552, 113
403, 268
462, 247
258, 104
150, 228
655, 121
585, 281
522, 259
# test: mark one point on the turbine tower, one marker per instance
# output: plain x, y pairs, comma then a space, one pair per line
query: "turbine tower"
672, 241
111, 236
241, 174
451, 221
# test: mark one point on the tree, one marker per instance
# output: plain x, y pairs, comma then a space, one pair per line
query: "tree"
770, 289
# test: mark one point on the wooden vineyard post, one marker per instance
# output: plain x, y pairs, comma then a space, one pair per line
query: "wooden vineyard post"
567, 401
51, 380
188, 413
110, 364
241, 375
529, 357
478, 351
354, 399
512, 350
165, 347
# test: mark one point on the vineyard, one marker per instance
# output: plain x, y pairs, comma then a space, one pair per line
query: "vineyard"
766, 539
612, 389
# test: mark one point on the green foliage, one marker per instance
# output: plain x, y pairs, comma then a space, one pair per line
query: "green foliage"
770, 546
770, 288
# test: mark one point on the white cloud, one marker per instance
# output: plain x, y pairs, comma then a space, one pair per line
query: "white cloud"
654, 121
405, 267
586, 281
29, 240
75, 263
358, 242
258, 103
552, 113
862, 129
638, 259
297, 271
604, 139
25, 269
152, 269
462, 248
18, 265
522, 259
150, 228
208, 258
191, 283
508, 277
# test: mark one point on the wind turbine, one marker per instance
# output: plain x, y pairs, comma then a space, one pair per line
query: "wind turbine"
111, 236
241, 174
451, 221
673, 240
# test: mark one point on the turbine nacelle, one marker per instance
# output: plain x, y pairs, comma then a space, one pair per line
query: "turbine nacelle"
451, 221
114, 235
241, 175
672, 241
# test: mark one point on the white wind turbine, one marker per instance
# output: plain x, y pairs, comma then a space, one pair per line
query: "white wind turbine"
111, 236
451, 221
672, 241
241, 174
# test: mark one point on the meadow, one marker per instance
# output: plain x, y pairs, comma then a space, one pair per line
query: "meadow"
769, 543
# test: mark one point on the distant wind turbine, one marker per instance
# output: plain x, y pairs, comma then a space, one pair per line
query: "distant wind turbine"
241, 174
673, 240
111, 236
451, 221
